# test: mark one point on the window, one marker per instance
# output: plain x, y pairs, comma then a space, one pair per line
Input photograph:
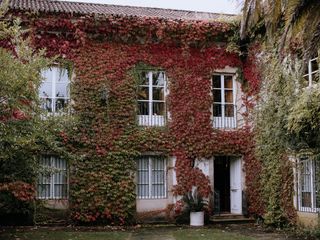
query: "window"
312, 72
224, 110
151, 98
151, 177
53, 181
54, 91
308, 185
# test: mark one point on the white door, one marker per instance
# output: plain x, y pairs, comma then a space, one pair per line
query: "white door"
235, 186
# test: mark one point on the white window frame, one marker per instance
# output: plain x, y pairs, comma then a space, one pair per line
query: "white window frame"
312, 185
55, 75
151, 119
150, 177
312, 72
44, 179
224, 121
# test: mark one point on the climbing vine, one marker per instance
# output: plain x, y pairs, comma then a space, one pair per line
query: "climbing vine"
105, 138
281, 82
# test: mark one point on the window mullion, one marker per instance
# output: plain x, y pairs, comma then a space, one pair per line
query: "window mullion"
310, 73
165, 94
223, 103
234, 93
312, 184
299, 186
53, 106
165, 177
150, 177
51, 178
150, 95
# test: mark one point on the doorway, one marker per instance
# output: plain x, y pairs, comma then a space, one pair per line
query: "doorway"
222, 182
228, 184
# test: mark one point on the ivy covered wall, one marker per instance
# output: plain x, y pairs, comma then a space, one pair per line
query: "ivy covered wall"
105, 138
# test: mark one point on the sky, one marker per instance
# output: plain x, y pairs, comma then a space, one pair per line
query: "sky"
217, 6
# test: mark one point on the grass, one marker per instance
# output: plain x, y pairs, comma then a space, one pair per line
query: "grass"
207, 234
144, 233
63, 235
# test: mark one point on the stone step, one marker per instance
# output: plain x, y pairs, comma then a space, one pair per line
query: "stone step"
230, 218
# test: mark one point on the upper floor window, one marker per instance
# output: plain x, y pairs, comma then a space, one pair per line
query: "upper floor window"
308, 198
151, 177
53, 181
54, 91
312, 72
224, 107
151, 98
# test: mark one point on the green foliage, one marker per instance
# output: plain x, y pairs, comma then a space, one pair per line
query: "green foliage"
24, 134
194, 201
295, 21
103, 189
304, 119
278, 94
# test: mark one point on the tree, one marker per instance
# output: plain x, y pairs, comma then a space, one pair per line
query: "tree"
287, 112
22, 134
293, 20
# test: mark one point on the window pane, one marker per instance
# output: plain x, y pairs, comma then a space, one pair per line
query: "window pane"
62, 75
216, 81
61, 104
228, 83
158, 78
60, 191
46, 104
44, 179
144, 78
45, 90
43, 190
55, 179
217, 110
143, 191
143, 108
158, 190
306, 199
143, 93
55, 85
229, 110
306, 183
62, 90
143, 177
158, 177
158, 93
217, 96
158, 108
228, 96
317, 183
314, 65
47, 75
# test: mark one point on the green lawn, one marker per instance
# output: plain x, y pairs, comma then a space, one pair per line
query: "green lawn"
144, 233
62, 235
207, 234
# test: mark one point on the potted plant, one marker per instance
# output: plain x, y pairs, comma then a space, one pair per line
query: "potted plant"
195, 204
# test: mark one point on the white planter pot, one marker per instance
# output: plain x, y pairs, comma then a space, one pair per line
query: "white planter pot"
196, 218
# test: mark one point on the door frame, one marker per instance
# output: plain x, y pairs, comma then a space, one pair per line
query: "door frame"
237, 161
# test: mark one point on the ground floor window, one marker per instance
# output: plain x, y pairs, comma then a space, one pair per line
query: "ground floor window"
53, 179
308, 185
151, 177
